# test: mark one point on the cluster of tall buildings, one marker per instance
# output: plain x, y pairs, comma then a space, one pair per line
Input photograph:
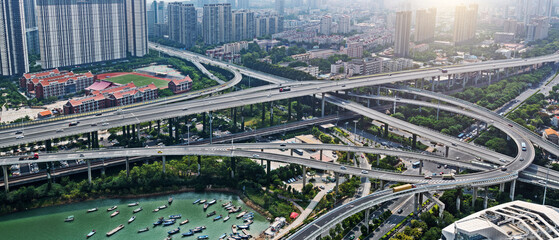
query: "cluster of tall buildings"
532, 20
220, 24
327, 27
465, 22
70, 32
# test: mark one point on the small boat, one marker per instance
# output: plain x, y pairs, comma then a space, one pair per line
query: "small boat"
137, 210
111, 208
159, 222
223, 236
92, 210
131, 219
247, 219
249, 222
217, 218
175, 216
133, 204
69, 219
246, 232
115, 213
168, 238
226, 218
202, 202
197, 201
243, 226
240, 215
206, 206
225, 204
90, 233
210, 214
189, 233
156, 210
115, 230
143, 230
234, 229
242, 236
169, 223
163, 207
203, 227
203, 237
184, 222
170, 200
235, 237
212, 202
234, 210
197, 230
174, 231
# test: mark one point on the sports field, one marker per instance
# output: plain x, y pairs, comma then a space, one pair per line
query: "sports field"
139, 81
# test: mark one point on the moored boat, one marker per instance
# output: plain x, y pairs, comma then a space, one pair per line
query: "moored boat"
203, 237
169, 223
156, 210
137, 210
189, 233
111, 208
226, 218
91, 233
133, 204
174, 231
158, 222
163, 207
234, 229
184, 222
225, 204
206, 206
69, 219
143, 230
240, 215
246, 232
197, 229
210, 214
175, 216
115, 230
92, 210
223, 236
115, 213
212, 202
197, 201
131, 219
203, 201
218, 217
243, 226
170, 200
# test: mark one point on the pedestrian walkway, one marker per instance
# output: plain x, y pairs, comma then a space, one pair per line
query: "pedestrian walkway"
304, 215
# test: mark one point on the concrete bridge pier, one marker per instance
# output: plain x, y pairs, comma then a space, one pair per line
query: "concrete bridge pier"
127, 167
474, 197
378, 93
414, 141
199, 164
415, 204
366, 220
233, 166
446, 149
323, 103
304, 176
163, 161
6, 184
89, 171
485, 198
320, 154
382, 184
501, 187
268, 167
272, 113
489, 76
291, 152
458, 201
337, 182
512, 189
420, 167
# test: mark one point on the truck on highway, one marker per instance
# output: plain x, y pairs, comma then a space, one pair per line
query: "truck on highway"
402, 188
449, 176
523, 146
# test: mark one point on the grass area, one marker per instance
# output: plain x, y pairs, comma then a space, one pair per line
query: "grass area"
139, 81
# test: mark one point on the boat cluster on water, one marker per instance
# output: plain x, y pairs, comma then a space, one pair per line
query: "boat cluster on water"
238, 231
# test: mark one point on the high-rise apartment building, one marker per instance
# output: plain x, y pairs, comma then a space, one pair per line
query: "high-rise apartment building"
243, 23
75, 32
344, 24
326, 25
136, 27
268, 25
160, 12
425, 21
537, 29
217, 23
182, 21
465, 21
402, 34
32, 33
355, 50
280, 7
243, 4
13, 44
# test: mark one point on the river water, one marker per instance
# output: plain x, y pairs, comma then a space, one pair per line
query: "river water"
48, 223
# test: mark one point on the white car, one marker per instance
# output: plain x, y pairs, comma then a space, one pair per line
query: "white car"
364, 171
19, 137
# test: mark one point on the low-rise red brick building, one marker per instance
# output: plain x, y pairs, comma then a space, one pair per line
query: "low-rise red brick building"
180, 85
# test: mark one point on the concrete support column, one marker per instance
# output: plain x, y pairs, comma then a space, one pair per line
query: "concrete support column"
233, 166
367, 213
414, 141
446, 149
88, 171
163, 161
291, 152
512, 189
323, 103
415, 204
6, 184
320, 154
127, 167
337, 182
386, 130
474, 197
199, 164
271, 114
382, 184
458, 202
304, 176
485, 198
378, 94
420, 167
268, 167
501, 187
378, 159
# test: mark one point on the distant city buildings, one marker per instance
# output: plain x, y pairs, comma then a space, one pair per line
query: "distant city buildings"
109, 31
156, 18
216, 23
243, 4
344, 24
538, 28
244, 25
326, 25
402, 34
268, 25
13, 44
182, 22
280, 7
465, 21
425, 21
355, 50
32, 32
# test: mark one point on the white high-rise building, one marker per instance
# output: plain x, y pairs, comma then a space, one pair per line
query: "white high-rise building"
243, 25
465, 21
344, 24
137, 27
402, 34
326, 25
13, 44
280, 7
182, 21
216, 23
425, 21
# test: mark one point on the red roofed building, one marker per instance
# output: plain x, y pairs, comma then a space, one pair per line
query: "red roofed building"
86, 104
100, 86
180, 85
55, 83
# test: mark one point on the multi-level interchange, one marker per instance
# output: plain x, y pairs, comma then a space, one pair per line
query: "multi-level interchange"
511, 170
